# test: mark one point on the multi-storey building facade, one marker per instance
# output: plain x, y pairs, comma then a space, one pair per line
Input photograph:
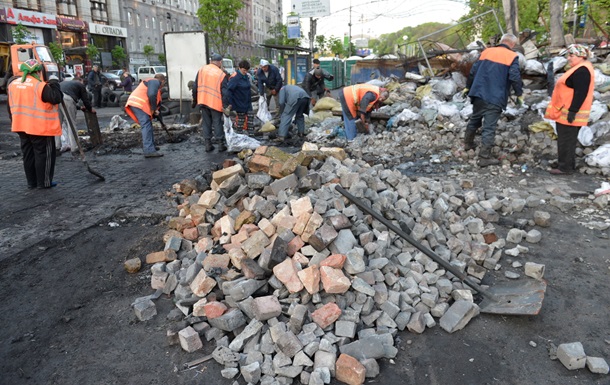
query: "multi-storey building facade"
131, 24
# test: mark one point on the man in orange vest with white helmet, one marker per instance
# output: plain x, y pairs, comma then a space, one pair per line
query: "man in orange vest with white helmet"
208, 89
143, 104
32, 105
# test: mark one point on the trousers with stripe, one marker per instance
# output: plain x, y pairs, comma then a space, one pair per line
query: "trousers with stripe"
38, 159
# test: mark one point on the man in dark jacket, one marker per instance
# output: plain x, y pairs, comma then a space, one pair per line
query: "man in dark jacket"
238, 97
313, 84
269, 83
74, 91
488, 87
94, 82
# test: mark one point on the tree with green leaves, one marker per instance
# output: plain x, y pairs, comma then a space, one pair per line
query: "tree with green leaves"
22, 35
161, 58
322, 44
148, 51
92, 52
336, 46
118, 56
218, 18
280, 33
58, 53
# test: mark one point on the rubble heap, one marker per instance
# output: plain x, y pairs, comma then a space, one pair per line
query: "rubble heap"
292, 281
427, 122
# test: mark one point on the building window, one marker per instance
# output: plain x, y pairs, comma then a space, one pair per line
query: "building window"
129, 18
146, 21
140, 46
161, 25
99, 11
132, 45
138, 20
66, 7
154, 23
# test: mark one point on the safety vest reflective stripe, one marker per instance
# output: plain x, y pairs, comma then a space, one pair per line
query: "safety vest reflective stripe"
209, 82
29, 113
357, 92
561, 100
139, 99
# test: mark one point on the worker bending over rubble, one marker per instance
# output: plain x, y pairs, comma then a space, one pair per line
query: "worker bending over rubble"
357, 102
294, 102
143, 104
570, 106
488, 87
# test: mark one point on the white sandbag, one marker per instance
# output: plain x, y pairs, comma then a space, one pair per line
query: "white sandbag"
237, 142
585, 136
263, 110
448, 110
405, 116
444, 88
558, 63
598, 110
599, 157
534, 67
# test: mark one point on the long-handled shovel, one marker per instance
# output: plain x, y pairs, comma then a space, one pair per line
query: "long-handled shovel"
516, 298
64, 111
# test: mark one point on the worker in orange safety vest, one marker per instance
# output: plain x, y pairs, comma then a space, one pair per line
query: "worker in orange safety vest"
32, 106
570, 105
208, 90
143, 104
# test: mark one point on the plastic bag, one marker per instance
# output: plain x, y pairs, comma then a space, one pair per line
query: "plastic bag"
599, 157
263, 110
585, 136
237, 142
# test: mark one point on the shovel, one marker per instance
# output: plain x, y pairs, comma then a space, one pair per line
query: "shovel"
64, 111
170, 138
515, 298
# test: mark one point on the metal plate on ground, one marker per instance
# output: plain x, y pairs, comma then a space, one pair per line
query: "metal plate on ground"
516, 298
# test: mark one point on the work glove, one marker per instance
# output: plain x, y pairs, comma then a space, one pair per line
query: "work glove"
571, 116
227, 111
313, 102
465, 92
520, 101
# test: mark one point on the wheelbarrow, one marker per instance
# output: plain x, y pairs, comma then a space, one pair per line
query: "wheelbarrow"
513, 298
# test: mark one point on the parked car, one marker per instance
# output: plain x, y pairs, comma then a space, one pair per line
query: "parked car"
66, 77
148, 72
111, 81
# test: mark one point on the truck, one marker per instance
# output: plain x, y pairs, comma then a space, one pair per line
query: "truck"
12, 55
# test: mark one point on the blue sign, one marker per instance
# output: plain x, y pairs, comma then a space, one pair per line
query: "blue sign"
294, 27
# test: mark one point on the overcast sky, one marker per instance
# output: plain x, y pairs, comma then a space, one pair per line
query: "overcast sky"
376, 17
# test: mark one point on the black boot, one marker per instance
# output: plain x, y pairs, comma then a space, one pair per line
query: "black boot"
222, 147
469, 140
208, 146
485, 158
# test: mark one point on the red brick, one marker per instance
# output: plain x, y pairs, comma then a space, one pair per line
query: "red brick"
214, 309
336, 260
349, 370
326, 315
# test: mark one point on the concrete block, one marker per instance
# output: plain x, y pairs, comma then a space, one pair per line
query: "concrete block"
534, 270
345, 329
597, 365
190, 340
145, 310
572, 355
266, 307
458, 315
229, 321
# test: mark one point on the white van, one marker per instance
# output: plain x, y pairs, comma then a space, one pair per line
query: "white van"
227, 64
148, 72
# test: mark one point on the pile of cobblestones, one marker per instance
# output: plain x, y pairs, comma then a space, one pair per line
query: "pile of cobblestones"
292, 282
